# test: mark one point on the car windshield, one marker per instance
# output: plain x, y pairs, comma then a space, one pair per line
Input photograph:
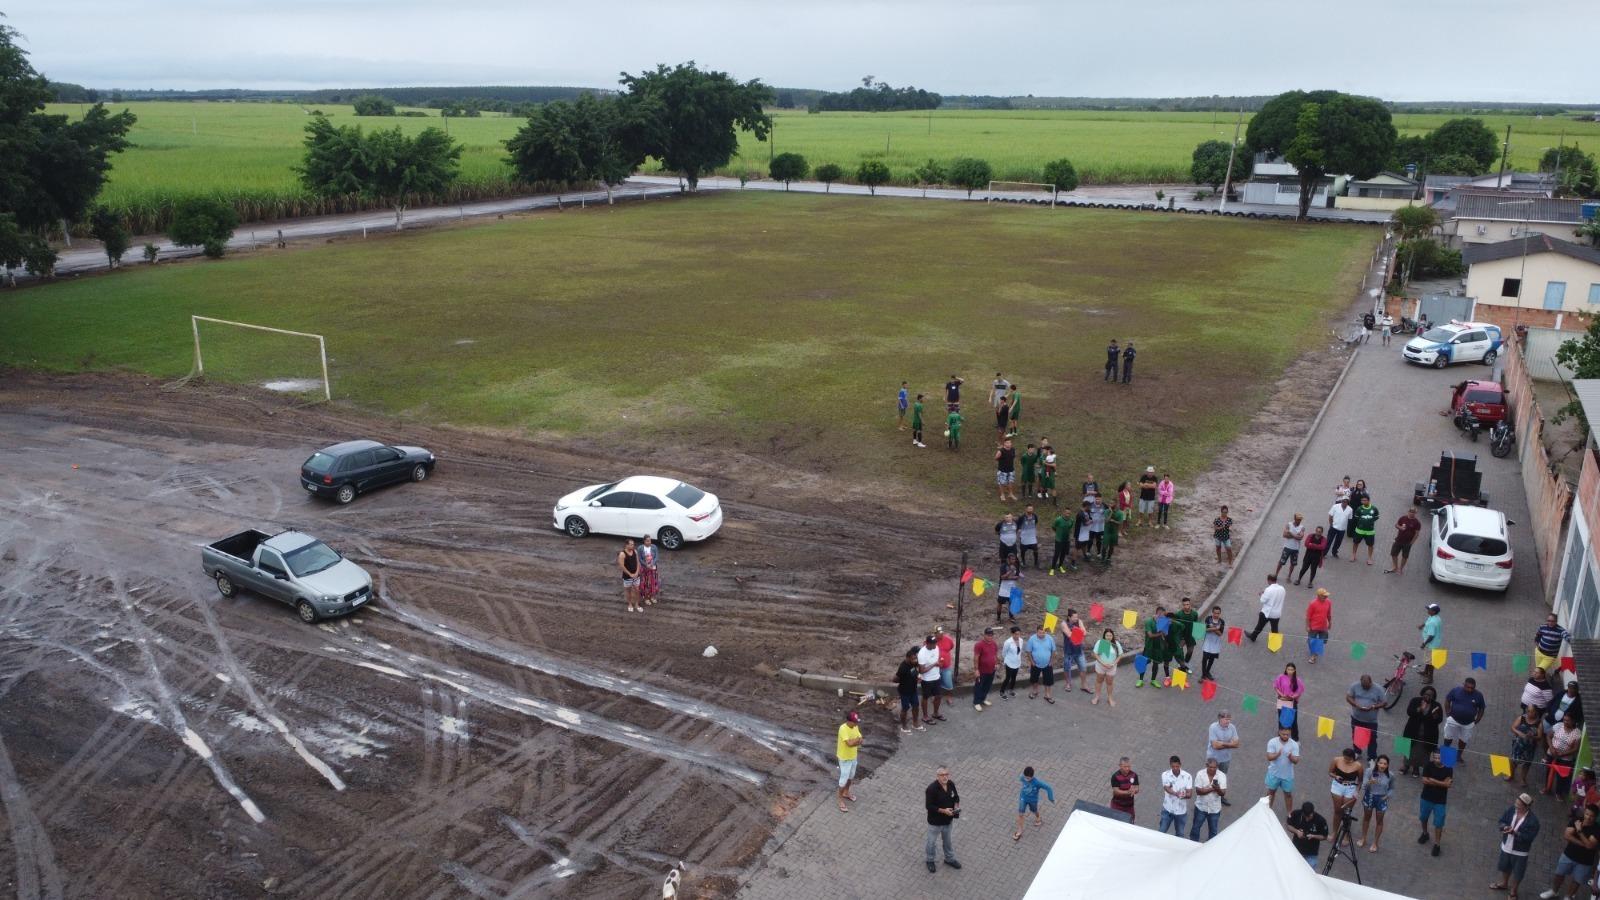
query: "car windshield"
311, 559
1478, 545
685, 496
1485, 397
599, 490
321, 463
1440, 335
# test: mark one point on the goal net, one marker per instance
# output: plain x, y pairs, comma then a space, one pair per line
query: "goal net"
1021, 191
277, 359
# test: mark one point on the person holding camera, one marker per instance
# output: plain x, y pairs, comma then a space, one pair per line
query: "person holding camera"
944, 807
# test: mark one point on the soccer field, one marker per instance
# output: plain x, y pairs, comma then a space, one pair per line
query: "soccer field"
774, 324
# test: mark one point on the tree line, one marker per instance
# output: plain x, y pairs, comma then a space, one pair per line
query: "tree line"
877, 96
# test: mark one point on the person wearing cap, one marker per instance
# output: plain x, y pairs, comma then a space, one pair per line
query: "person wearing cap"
849, 745
1518, 827
984, 654
1148, 482
928, 677
1432, 629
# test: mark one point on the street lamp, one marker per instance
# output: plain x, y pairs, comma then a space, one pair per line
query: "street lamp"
1522, 276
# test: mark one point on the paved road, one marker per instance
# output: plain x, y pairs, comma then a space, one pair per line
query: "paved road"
1382, 426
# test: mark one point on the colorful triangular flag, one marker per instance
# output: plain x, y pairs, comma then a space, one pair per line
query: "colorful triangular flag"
1520, 663
1568, 664
1286, 716
1096, 612
979, 586
966, 576
1402, 746
1140, 663
1357, 650
1197, 631
1480, 661
1051, 603
1449, 756
1180, 679
1315, 646
1499, 765
1362, 736
1050, 622
1274, 642
1439, 657
1324, 727
1250, 704
1130, 619
1208, 690
1235, 635
1163, 624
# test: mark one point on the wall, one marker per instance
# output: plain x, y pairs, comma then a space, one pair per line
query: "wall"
1268, 193
1466, 230
1539, 352
1371, 202
1549, 497
1485, 280
1508, 317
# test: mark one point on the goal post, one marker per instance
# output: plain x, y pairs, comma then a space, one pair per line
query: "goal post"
322, 346
1020, 190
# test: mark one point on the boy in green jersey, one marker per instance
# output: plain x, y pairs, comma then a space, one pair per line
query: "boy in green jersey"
916, 423
1363, 528
1030, 464
952, 429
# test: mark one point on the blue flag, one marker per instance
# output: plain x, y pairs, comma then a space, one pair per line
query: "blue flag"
1163, 623
1286, 717
1448, 757
1016, 599
1480, 661
1140, 663
1316, 646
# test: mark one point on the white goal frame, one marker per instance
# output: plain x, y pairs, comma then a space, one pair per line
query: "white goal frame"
322, 346
1050, 188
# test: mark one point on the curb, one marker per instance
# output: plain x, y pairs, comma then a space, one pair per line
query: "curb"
836, 683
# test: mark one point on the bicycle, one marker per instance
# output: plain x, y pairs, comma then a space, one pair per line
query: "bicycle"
1395, 686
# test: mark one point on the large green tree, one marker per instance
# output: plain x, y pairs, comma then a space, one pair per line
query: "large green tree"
1576, 169
971, 174
1209, 165
1321, 133
386, 166
689, 119
51, 168
563, 143
203, 222
1468, 138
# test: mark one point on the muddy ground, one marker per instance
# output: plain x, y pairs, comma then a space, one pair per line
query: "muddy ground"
494, 725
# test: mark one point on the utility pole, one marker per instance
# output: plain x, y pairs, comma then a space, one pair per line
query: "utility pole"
1227, 181
961, 593
1505, 151
1555, 190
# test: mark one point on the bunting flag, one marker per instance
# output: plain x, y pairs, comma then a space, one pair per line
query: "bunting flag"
1140, 663
1402, 746
1198, 631
1236, 635
1130, 619
1180, 679
1563, 771
979, 586
1362, 736
1520, 663
1480, 661
966, 576
1499, 765
1274, 642
1449, 756
1050, 622
1016, 599
1358, 650
1163, 624
1077, 636
1286, 716
1315, 646
1324, 727
1051, 603
1096, 612
1208, 690
1439, 656
1249, 704
1568, 664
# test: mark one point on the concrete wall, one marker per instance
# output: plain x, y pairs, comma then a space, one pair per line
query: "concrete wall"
1485, 280
1549, 496
1267, 192
1465, 231
1372, 202
1508, 317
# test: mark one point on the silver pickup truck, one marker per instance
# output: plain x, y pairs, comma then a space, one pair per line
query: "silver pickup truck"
289, 566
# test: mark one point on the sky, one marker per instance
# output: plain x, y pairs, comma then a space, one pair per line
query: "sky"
1460, 50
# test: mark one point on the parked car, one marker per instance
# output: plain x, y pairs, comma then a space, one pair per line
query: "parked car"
669, 510
1454, 343
290, 567
1483, 400
1470, 547
355, 467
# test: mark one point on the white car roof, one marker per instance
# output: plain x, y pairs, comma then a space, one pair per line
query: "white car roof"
648, 484
1467, 326
1477, 520
289, 541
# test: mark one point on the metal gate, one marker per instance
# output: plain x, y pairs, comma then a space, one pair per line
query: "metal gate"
1441, 308
1540, 353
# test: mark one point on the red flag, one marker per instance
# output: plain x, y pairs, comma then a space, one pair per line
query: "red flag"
1078, 636
1236, 636
1569, 664
1097, 612
1561, 770
966, 576
1208, 690
1363, 737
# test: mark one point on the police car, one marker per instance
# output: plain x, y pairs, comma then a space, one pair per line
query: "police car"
1454, 343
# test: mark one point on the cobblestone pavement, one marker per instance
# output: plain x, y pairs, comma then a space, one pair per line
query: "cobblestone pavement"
1383, 426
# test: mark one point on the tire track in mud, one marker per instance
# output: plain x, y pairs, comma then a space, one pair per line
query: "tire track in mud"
38, 877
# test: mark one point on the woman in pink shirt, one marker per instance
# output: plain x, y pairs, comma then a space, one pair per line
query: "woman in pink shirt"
1164, 492
1289, 688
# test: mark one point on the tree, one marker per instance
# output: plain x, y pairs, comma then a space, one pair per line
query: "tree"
1465, 137
928, 173
373, 105
1410, 150
1061, 175
203, 222
109, 229
546, 148
872, 173
1322, 132
689, 119
971, 174
1210, 163
787, 167
1454, 164
385, 166
51, 168
1582, 357
828, 173
1576, 168
1590, 230
1412, 222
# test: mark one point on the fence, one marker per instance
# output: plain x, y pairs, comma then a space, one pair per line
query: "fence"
1540, 353
1549, 495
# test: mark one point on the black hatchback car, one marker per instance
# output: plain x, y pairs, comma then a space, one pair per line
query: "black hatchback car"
353, 467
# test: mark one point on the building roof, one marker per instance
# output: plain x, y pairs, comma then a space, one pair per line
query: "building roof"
1386, 179
1445, 182
1497, 205
1536, 243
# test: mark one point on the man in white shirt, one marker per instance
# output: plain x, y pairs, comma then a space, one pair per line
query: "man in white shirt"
1271, 607
1338, 522
1210, 784
928, 677
1294, 534
1176, 788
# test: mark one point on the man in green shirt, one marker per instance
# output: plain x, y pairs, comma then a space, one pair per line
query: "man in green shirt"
1157, 649
1016, 411
952, 429
1108, 544
1182, 634
1363, 528
916, 423
1030, 464
1062, 560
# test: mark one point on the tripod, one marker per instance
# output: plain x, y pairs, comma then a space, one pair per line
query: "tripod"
1343, 845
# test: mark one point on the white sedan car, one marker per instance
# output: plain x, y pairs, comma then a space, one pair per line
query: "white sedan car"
1470, 547
666, 509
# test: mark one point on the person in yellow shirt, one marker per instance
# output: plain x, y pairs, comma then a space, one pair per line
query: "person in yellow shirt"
849, 741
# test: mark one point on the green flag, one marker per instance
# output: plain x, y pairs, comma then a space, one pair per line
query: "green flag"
1051, 602
1250, 704
1197, 630
1357, 650
1520, 663
1402, 746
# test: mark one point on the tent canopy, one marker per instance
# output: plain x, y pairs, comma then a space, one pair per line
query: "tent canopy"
1251, 858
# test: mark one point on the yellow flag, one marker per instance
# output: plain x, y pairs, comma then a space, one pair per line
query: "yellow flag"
1499, 765
1130, 619
978, 585
1180, 678
1324, 727
1274, 642
1050, 622
1439, 656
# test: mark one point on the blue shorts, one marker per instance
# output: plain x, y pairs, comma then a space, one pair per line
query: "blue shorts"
947, 679
908, 701
1426, 807
1274, 783
1578, 872
1376, 804
1024, 806
847, 771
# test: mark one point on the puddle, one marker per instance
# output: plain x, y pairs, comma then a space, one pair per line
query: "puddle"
293, 385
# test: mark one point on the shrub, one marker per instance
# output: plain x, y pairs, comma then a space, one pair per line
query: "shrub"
828, 173
873, 173
971, 174
787, 167
1061, 175
203, 222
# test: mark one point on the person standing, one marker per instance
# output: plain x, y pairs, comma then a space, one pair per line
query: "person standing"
1157, 650
628, 564
1307, 829
952, 429
1578, 858
1527, 736
1165, 491
1289, 689
1211, 648
1386, 326
984, 656
1359, 493
1083, 524
1464, 708
901, 403
1061, 555
1028, 537
1091, 488
1016, 410
1547, 643
1149, 486
1222, 738
1271, 607
1112, 531
1028, 799
916, 424
849, 745
906, 678
1210, 795
1432, 628
1316, 546
1406, 529
1000, 402
1518, 827
1047, 473
1375, 800
1294, 535
1097, 525
1345, 775
1436, 781
1107, 652
1339, 516
1127, 363
947, 661
1176, 788
1283, 754
1319, 622
1010, 582
1113, 355
649, 571
1424, 714
928, 679
1363, 527
1366, 698
1538, 691
1182, 633
1007, 533
1041, 655
1561, 756
997, 391
1072, 638
943, 804
952, 393
1005, 470
1030, 470
1567, 702
1011, 658
1222, 534
1368, 320
1124, 787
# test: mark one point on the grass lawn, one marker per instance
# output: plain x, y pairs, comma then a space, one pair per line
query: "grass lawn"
781, 324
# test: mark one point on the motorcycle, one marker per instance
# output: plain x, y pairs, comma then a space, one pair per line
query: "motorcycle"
1469, 423
1501, 439
1406, 325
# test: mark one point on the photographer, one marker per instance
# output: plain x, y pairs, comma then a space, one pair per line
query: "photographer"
944, 807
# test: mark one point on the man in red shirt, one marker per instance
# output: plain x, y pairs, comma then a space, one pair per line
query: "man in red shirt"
947, 660
1405, 534
1319, 619
1124, 787
984, 654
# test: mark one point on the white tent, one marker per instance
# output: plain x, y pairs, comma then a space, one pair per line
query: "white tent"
1252, 858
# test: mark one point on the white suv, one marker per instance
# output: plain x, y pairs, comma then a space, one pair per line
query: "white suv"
1470, 547
1454, 343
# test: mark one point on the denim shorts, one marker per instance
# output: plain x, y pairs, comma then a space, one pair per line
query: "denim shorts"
1004, 477
847, 771
908, 701
1427, 807
1376, 804
1343, 791
947, 679
1578, 872
1274, 783
1027, 806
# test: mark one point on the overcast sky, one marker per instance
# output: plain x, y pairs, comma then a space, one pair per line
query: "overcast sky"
1464, 49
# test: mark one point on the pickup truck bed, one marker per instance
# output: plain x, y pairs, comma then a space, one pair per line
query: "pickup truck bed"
242, 545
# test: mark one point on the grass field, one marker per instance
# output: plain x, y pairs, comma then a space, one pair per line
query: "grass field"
245, 152
780, 325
